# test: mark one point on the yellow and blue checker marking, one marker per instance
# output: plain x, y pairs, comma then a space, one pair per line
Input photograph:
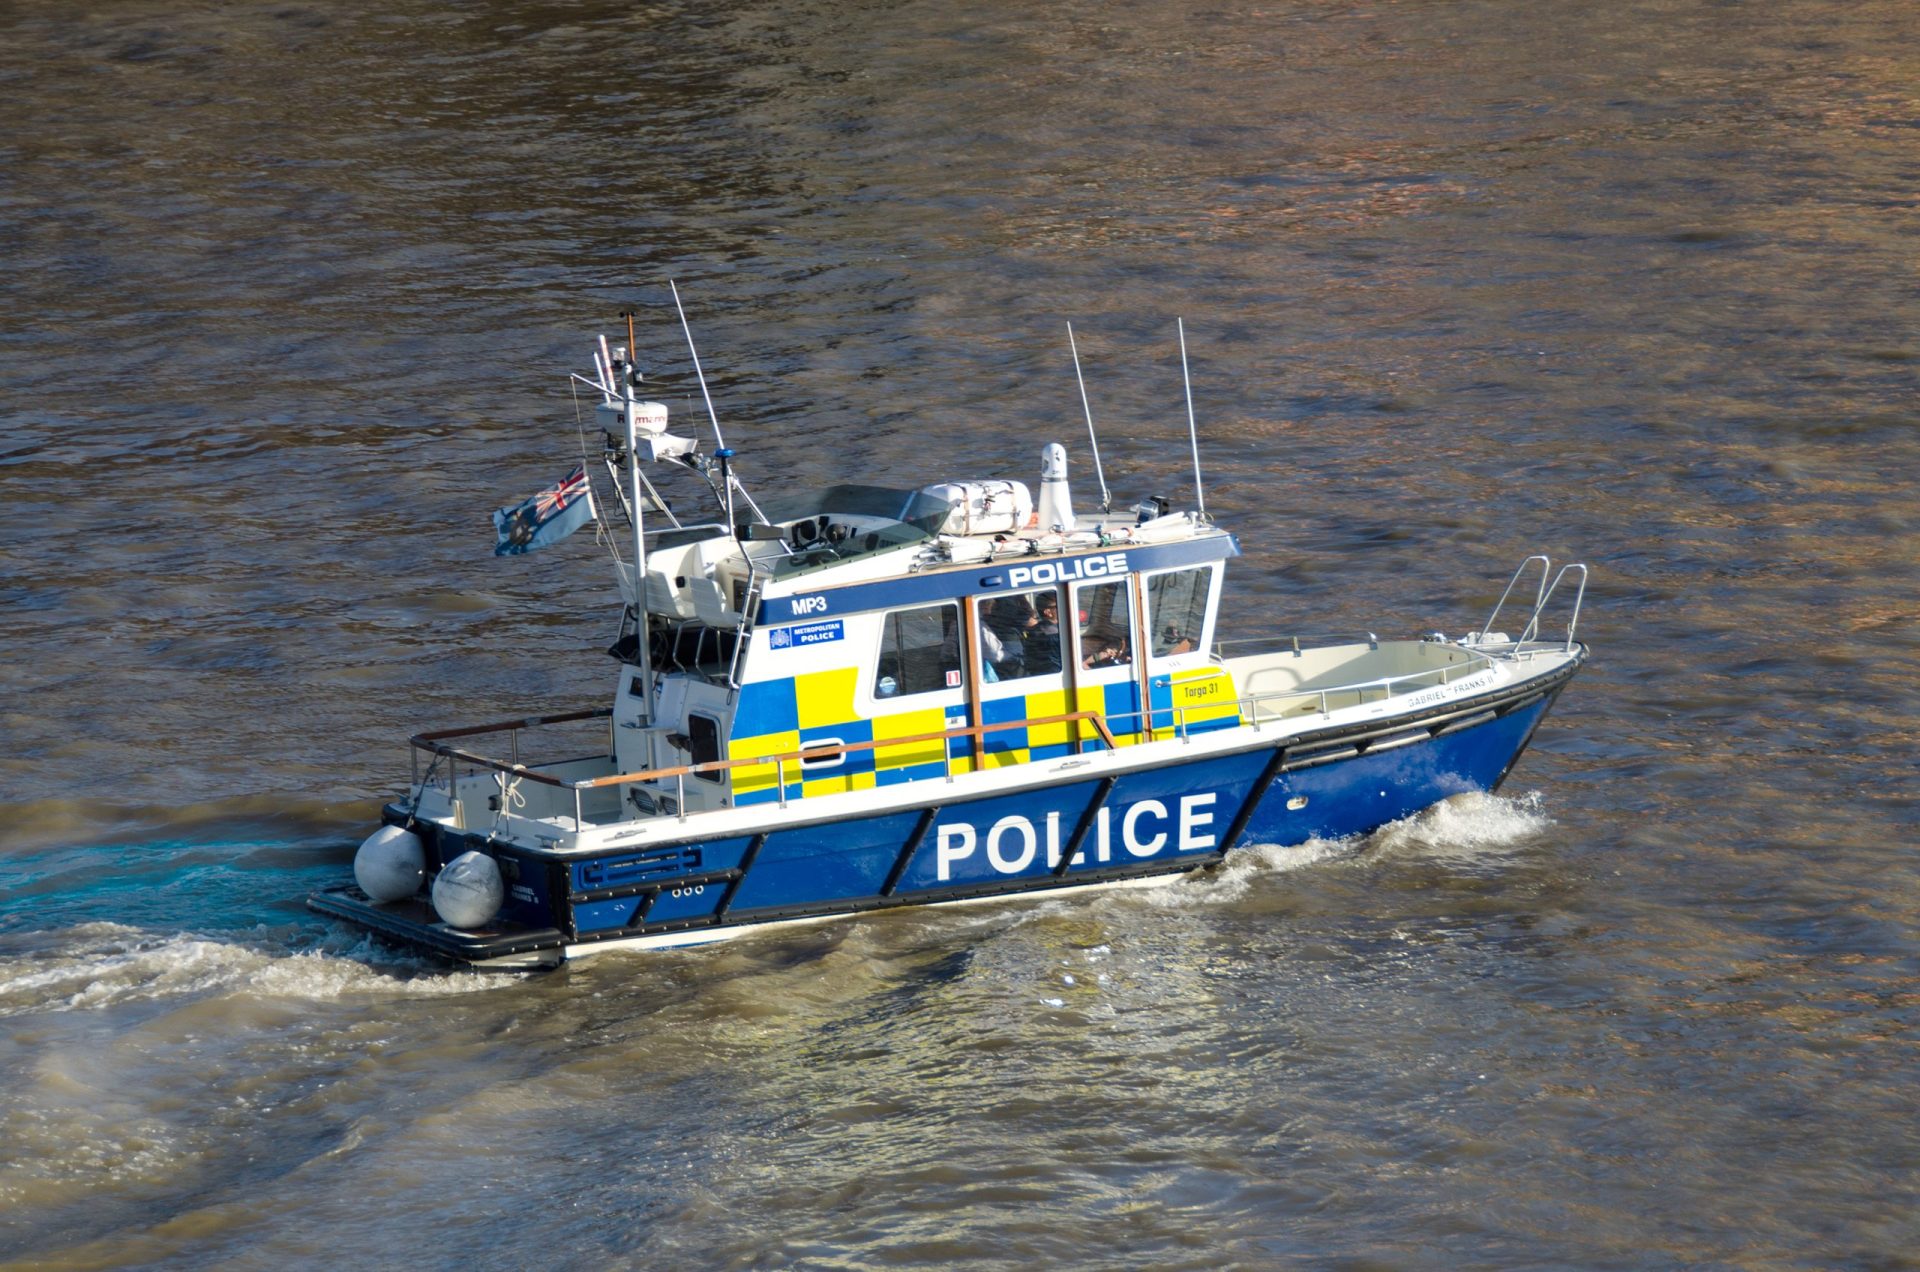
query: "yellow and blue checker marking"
1201, 698
766, 721
779, 717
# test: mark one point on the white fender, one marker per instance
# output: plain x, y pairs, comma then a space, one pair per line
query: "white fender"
390, 865
467, 892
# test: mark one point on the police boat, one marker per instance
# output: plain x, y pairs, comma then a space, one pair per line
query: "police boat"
864, 697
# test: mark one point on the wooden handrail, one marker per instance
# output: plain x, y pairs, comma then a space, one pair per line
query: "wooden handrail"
426, 742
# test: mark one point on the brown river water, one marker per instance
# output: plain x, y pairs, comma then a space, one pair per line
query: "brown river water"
289, 294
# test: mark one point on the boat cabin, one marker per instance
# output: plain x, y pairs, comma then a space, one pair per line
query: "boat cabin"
858, 629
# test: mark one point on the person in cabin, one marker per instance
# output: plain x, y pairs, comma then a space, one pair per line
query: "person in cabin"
993, 654
1040, 637
1103, 626
1003, 623
1106, 651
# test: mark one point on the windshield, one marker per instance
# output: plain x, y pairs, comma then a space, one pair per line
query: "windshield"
910, 507
843, 523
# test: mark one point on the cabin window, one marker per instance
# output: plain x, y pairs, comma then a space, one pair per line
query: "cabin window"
1105, 626
703, 744
919, 652
1020, 635
1177, 609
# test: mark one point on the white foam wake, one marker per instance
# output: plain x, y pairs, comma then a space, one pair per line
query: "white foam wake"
1242, 868
1473, 826
1467, 827
98, 965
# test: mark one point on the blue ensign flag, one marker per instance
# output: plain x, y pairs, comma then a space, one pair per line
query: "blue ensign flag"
545, 519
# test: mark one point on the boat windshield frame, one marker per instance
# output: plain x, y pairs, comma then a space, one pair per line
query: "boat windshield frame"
889, 519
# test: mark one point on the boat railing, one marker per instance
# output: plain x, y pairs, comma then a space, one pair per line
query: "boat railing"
429, 742
1259, 709
437, 745
1298, 644
1544, 590
1151, 724
756, 583
693, 648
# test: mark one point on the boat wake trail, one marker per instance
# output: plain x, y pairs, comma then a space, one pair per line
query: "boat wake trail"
1470, 827
102, 965
1463, 828
1243, 869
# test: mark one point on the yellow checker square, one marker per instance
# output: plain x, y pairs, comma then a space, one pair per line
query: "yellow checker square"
825, 698
837, 785
907, 724
1039, 707
1089, 698
1203, 694
750, 779
1125, 728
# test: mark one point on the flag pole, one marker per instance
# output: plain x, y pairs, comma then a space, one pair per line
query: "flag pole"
644, 652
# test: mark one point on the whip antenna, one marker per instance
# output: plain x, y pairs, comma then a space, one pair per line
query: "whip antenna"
718, 441
721, 451
1193, 430
1106, 496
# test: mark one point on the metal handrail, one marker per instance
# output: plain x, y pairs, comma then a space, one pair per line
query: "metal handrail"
504, 726
429, 742
1543, 593
1373, 641
1247, 707
1247, 703
1579, 598
1539, 593
1388, 684
743, 632
825, 751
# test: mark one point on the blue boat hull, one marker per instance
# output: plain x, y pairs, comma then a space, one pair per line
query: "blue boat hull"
1167, 819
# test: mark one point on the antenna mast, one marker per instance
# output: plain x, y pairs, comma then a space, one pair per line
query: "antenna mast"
721, 451
1193, 430
1106, 496
624, 375
718, 441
